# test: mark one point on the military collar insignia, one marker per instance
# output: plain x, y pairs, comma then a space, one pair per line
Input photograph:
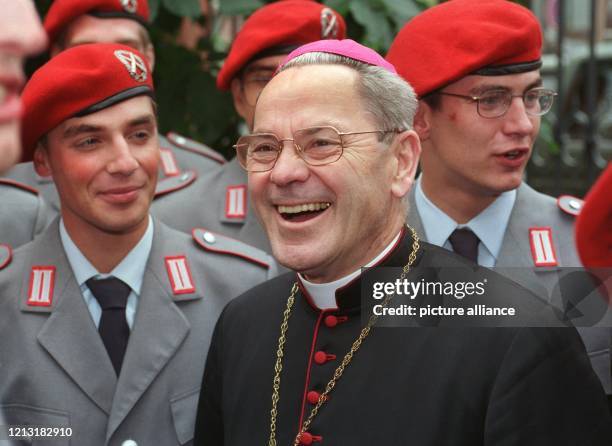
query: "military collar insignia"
236, 202
168, 162
129, 5
134, 64
542, 247
329, 24
179, 274
40, 290
570, 205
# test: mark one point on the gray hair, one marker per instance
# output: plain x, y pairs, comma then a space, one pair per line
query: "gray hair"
388, 97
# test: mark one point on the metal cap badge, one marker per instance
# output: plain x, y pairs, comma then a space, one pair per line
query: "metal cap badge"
129, 5
329, 24
134, 64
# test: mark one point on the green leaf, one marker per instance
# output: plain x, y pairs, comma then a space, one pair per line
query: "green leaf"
153, 8
239, 7
340, 6
378, 33
183, 8
400, 11
547, 136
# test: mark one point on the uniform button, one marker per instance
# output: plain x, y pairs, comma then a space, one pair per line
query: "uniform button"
331, 321
574, 204
129, 443
209, 237
321, 357
313, 397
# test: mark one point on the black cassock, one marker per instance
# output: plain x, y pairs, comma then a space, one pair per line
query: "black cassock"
422, 386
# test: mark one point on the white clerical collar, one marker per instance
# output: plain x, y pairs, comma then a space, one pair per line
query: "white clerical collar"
130, 270
324, 294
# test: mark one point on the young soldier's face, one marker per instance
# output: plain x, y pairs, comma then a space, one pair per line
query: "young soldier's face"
21, 34
483, 156
247, 86
104, 166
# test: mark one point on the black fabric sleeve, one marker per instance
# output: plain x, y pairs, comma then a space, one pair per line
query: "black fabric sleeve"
546, 393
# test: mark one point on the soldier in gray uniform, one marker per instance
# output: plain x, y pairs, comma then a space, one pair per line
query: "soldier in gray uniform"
479, 115
73, 22
105, 319
263, 42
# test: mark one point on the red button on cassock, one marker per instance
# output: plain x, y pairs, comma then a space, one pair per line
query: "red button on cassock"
313, 397
321, 357
305, 438
331, 321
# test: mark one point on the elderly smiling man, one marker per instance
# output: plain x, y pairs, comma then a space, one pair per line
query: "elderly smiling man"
332, 158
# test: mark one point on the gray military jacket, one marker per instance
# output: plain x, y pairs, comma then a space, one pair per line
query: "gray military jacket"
54, 367
23, 213
516, 260
219, 201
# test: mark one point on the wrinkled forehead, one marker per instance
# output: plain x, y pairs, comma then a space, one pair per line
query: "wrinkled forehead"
304, 93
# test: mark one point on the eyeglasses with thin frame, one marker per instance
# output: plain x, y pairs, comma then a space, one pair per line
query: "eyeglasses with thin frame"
317, 146
495, 103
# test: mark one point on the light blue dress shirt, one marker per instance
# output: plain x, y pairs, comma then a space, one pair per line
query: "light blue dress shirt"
490, 225
130, 270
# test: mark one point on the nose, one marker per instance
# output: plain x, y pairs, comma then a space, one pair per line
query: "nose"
516, 119
289, 167
122, 161
22, 33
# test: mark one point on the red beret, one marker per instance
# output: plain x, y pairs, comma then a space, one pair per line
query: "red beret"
460, 37
62, 12
79, 81
286, 22
594, 224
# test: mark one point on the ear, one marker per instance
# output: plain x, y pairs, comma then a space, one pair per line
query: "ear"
149, 53
41, 161
407, 152
240, 103
422, 120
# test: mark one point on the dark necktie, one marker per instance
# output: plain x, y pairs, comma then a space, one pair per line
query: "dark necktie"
465, 243
112, 294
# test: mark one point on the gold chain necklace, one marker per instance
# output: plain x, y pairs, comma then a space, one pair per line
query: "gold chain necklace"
278, 366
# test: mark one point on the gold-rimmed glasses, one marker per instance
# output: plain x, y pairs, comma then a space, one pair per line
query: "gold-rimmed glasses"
317, 146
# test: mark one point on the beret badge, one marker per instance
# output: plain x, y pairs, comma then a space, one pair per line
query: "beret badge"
134, 64
129, 5
329, 24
